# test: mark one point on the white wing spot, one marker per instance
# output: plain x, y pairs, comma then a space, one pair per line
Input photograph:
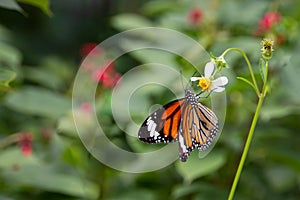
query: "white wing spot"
152, 131
181, 142
156, 134
151, 126
149, 123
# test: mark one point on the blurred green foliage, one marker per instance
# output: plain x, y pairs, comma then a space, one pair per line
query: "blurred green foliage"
39, 57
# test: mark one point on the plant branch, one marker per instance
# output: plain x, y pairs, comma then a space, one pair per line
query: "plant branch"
246, 148
249, 66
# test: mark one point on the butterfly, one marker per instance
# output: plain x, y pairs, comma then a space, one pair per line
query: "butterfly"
184, 120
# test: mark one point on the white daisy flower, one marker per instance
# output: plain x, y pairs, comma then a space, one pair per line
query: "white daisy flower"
207, 82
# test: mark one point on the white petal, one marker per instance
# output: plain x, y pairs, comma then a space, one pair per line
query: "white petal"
221, 81
209, 69
218, 89
195, 78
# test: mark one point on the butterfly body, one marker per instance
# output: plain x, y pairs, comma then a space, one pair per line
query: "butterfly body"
184, 120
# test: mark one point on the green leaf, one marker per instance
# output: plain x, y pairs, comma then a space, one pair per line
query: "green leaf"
205, 190
66, 126
185, 190
134, 193
273, 111
10, 4
38, 101
6, 76
155, 8
129, 21
19, 171
246, 81
262, 69
281, 178
43, 76
195, 167
9, 55
41, 4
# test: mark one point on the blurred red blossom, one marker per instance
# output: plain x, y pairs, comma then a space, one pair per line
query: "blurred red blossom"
269, 19
86, 107
267, 22
88, 48
106, 75
25, 143
195, 15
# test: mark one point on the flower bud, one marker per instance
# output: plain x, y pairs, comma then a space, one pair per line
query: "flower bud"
267, 48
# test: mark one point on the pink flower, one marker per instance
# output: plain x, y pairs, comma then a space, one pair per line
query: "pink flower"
25, 140
269, 19
88, 47
86, 107
195, 15
106, 75
267, 22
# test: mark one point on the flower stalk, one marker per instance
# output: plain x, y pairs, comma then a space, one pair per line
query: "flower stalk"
246, 148
248, 64
267, 49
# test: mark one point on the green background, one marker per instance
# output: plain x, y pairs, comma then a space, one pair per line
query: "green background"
40, 44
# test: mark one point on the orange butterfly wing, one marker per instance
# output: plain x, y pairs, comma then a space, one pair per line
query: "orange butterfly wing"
184, 120
198, 127
163, 124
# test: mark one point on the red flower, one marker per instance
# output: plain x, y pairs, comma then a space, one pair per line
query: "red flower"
86, 107
88, 47
195, 15
106, 75
25, 140
269, 20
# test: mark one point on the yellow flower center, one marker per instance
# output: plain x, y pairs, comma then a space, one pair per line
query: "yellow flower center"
204, 83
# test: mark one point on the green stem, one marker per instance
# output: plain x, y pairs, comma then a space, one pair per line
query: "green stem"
246, 148
248, 63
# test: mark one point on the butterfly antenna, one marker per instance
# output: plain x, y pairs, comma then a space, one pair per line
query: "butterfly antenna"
181, 79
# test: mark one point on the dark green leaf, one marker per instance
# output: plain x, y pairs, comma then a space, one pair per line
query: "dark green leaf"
281, 178
20, 171
195, 167
158, 7
38, 101
204, 190
135, 193
6, 76
43, 76
41, 4
130, 21
9, 55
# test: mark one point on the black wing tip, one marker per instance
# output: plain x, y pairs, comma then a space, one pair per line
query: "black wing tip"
153, 140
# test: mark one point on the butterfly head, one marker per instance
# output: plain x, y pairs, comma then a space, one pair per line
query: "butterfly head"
191, 97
